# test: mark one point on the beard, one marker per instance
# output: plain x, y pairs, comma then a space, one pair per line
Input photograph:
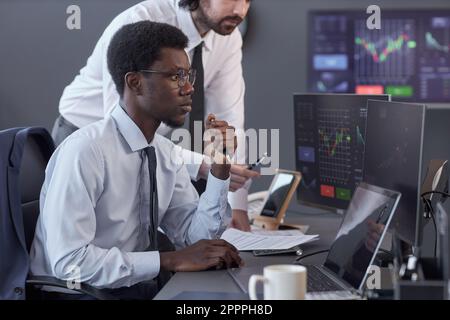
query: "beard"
227, 29
218, 26
222, 29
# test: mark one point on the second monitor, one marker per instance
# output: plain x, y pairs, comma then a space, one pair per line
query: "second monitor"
329, 146
393, 158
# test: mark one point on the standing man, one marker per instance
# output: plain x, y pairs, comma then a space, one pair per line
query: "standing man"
215, 51
111, 184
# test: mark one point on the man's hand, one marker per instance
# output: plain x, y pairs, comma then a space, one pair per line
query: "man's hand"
239, 176
240, 220
202, 255
221, 147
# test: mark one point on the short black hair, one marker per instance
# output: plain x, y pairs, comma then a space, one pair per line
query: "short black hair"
192, 5
138, 45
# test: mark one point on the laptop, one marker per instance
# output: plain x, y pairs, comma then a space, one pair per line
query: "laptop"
355, 247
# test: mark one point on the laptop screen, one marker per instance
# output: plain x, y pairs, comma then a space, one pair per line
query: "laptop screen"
361, 232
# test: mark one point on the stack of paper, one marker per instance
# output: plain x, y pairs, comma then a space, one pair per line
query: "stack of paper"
264, 232
245, 241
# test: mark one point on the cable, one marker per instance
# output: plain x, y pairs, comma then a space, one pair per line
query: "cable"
311, 254
435, 232
429, 208
438, 192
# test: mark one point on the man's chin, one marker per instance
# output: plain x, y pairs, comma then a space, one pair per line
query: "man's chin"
225, 31
174, 124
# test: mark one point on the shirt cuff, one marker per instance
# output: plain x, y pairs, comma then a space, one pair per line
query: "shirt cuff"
216, 189
145, 265
192, 160
238, 199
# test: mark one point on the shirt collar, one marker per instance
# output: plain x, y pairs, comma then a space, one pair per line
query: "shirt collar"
129, 130
188, 27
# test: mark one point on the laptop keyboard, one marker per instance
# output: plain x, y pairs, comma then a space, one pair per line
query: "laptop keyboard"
318, 281
332, 295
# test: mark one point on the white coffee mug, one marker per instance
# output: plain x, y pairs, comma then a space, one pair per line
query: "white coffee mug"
281, 282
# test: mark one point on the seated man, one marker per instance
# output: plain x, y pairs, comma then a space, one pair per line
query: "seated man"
110, 184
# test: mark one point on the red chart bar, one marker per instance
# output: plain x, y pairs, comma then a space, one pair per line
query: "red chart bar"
326, 191
363, 89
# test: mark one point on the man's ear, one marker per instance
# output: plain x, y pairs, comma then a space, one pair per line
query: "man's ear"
133, 81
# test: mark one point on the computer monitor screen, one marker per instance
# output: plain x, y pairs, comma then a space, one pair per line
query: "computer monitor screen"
408, 57
393, 158
329, 146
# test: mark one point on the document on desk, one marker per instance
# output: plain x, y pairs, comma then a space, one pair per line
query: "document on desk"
264, 232
246, 241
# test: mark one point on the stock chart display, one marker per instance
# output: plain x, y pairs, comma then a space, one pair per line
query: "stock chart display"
409, 57
329, 141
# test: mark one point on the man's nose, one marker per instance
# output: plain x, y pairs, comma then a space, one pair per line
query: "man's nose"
187, 89
241, 8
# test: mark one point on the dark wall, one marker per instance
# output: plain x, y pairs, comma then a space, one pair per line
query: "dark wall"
39, 56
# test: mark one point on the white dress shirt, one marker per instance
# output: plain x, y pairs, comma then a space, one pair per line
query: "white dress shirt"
94, 205
92, 93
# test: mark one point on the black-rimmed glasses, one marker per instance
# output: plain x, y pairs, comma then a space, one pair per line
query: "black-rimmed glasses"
181, 76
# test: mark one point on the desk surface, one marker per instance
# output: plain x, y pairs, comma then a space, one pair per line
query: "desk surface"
326, 225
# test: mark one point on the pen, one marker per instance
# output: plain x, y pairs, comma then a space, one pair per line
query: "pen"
258, 162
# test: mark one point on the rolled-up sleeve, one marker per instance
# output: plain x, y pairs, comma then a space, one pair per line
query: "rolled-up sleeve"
190, 218
192, 160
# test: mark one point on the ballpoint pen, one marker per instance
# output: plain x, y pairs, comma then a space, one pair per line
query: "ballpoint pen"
258, 162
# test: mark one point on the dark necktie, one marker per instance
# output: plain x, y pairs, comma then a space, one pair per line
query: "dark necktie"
198, 97
198, 108
153, 228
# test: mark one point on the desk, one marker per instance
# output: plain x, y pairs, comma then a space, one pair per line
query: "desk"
326, 225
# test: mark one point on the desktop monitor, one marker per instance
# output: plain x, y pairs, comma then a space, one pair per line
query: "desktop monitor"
329, 147
436, 146
408, 58
393, 158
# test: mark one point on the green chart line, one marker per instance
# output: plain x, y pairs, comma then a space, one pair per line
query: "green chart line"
392, 46
359, 136
434, 44
340, 137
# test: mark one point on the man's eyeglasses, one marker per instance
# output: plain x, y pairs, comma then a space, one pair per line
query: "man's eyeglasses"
181, 76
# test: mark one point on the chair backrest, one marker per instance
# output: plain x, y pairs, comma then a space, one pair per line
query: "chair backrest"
24, 153
31, 178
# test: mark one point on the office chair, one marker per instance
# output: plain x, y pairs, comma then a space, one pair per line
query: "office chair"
37, 151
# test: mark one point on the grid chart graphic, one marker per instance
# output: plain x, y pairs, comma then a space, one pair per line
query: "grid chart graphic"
407, 58
330, 140
386, 55
435, 63
335, 146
